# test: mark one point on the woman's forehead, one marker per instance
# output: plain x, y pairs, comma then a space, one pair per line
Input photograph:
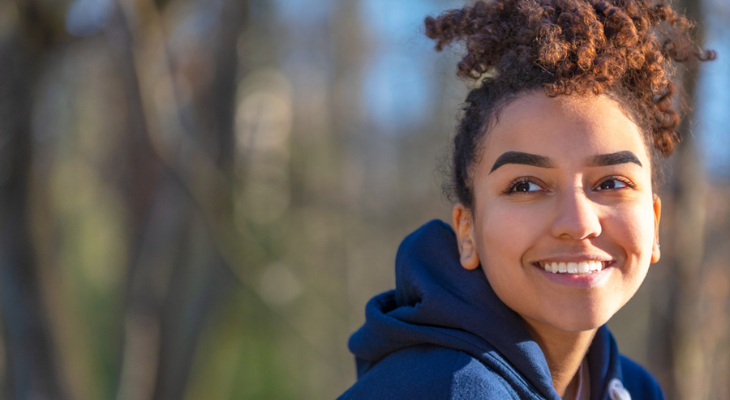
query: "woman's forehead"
564, 126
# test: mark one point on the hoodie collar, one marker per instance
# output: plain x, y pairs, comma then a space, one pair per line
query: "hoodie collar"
437, 301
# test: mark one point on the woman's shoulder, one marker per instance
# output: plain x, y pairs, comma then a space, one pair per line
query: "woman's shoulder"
429, 372
638, 381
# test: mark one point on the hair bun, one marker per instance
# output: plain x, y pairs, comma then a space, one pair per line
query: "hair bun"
576, 46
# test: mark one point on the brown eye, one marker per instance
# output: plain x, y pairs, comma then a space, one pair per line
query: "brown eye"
525, 187
609, 184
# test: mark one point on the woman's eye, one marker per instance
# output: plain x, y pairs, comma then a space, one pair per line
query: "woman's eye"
609, 184
523, 187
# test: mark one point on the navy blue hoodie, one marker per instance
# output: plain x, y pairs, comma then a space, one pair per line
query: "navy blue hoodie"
444, 334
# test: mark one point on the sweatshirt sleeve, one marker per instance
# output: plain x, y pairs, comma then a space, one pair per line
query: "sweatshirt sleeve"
640, 383
472, 380
418, 372
428, 372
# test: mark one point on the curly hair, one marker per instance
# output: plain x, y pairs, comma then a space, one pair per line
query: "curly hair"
621, 48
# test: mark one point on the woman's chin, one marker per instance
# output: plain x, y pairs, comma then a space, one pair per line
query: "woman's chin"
581, 325
575, 319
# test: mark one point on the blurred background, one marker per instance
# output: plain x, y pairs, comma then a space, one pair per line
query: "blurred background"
198, 197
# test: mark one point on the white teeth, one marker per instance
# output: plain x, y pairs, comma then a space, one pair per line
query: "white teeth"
583, 267
572, 268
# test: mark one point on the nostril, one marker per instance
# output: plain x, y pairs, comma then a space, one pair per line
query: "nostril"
576, 218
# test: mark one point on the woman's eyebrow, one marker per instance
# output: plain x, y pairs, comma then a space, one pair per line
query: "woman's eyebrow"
621, 157
518, 157
601, 160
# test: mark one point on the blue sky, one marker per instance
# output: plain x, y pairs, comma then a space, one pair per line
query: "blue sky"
713, 103
397, 85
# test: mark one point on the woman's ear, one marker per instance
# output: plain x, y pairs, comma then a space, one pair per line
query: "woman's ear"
464, 227
656, 251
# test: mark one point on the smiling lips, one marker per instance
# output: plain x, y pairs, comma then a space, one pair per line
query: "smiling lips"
583, 267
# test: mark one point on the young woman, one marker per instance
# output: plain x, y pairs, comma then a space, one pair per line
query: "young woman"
556, 219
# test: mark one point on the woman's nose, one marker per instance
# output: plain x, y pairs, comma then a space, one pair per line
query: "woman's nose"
576, 216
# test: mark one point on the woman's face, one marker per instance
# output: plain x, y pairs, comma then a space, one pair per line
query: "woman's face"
563, 183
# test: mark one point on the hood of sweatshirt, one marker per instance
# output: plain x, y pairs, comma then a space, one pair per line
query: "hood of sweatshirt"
438, 302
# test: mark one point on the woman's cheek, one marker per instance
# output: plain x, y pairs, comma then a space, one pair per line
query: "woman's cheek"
512, 223
633, 225
508, 231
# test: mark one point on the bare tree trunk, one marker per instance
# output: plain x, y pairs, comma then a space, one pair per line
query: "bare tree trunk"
30, 365
173, 253
183, 316
140, 181
691, 378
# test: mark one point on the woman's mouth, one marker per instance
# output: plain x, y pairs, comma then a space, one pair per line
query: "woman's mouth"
573, 268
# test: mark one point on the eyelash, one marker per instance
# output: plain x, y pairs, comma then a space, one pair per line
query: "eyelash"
526, 179
621, 179
523, 179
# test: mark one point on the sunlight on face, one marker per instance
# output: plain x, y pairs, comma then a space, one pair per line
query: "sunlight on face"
564, 218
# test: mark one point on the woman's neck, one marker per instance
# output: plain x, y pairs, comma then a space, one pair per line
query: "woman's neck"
564, 351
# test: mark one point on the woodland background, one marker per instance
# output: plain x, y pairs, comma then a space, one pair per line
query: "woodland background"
197, 197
